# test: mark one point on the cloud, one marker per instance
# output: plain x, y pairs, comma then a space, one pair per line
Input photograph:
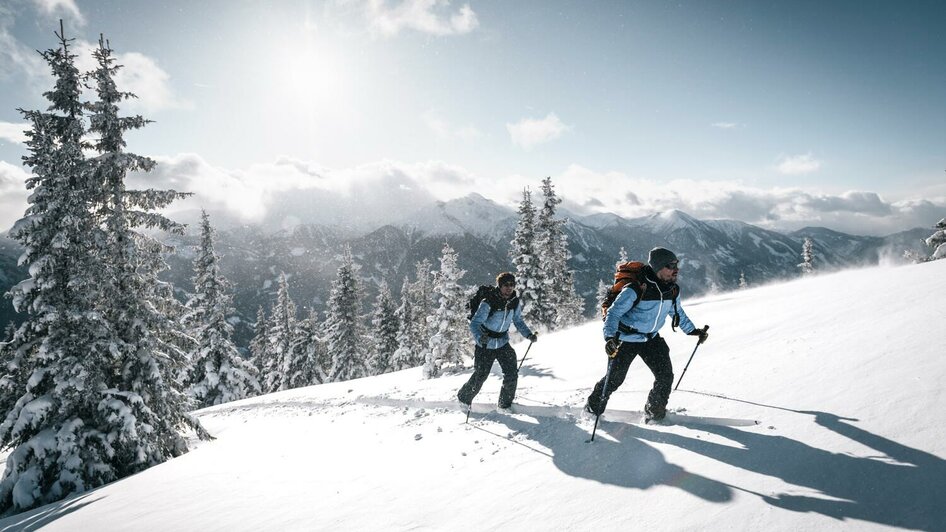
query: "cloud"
306, 192
66, 9
15, 58
725, 125
868, 203
798, 164
140, 75
426, 16
13, 132
782, 209
529, 132
12, 194
289, 191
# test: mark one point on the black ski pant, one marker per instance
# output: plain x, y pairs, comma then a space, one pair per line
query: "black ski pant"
482, 362
656, 355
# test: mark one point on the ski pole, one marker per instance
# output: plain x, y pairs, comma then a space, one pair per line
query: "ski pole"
705, 328
524, 356
604, 391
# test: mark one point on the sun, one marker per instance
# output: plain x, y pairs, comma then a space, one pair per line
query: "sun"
311, 76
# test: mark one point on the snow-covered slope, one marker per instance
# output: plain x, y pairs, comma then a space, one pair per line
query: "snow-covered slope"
843, 373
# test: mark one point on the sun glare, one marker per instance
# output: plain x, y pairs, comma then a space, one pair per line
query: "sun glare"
310, 77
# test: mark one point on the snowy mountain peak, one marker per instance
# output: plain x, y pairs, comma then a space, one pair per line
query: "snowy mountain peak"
472, 213
673, 219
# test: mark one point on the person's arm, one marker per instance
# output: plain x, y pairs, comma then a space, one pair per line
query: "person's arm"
478, 321
622, 304
685, 324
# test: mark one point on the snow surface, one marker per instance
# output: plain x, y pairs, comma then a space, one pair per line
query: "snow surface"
843, 372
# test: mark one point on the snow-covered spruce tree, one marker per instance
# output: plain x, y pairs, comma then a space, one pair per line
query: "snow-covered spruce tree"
259, 345
303, 364
552, 243
403, 358
344, 330
422, 292
937, 240
59, 355
280, 330
571, 307
602, 294
524, 256
58, 415
145, 407
218, 374
449, 341
807, 257
622, 257
743, 284
384, 332
546, 247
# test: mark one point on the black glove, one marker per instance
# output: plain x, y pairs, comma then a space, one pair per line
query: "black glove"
611, 346
534, 337
702, 333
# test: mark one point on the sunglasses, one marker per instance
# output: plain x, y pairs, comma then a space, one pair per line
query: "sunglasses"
673, 266
509, 284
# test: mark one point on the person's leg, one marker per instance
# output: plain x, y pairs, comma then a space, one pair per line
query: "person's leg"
506, 356
656, 355
619, 366
482, 362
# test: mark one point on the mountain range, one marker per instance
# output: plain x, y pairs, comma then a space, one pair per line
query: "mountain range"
713, 253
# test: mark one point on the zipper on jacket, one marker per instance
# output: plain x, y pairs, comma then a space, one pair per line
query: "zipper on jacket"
661, 308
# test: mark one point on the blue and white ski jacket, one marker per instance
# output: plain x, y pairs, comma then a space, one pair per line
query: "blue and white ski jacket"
645, 313
497, 322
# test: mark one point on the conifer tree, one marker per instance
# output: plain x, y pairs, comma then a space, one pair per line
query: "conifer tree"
344, 331
571, 307
622, 257
808, 257
448, 343
280, 330
547, 244
524, 256
89, 394
384, 332
743, 284
141, 309
218, 374
422, 294
59, 356
602, 291
937, 240
259, 345
559, 305
404, 357
303, 364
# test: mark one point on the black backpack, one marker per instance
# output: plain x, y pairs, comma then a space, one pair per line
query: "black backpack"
493, 299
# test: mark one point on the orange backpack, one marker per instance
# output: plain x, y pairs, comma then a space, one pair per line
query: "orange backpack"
633, 272
627, 272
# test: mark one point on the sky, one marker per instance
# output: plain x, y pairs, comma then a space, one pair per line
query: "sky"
780, 114
826, 429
